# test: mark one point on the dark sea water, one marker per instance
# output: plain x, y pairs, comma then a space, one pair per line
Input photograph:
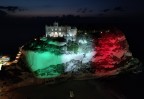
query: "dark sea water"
17, 32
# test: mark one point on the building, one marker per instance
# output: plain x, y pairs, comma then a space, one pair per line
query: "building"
4, 60
61, 31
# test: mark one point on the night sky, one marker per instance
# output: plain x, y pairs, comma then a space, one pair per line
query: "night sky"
106, 8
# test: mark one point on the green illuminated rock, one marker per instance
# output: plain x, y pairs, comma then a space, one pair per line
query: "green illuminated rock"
51, 58
43, 58
43, 63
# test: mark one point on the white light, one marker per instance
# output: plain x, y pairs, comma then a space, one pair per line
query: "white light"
52, 34
16, 61
0, 66
56, 34
19, 54
17, 57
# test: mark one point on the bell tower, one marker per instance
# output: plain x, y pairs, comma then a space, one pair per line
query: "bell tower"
55, 24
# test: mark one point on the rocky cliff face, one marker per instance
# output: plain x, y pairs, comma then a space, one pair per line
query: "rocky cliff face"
107, 55
112, 48
109, 52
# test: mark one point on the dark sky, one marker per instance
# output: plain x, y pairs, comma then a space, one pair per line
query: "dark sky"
72, 7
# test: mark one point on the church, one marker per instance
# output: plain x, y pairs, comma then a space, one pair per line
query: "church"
60, 31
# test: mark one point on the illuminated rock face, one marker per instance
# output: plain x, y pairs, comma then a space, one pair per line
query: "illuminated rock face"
47, 64
49, 59
111, 49
42, 63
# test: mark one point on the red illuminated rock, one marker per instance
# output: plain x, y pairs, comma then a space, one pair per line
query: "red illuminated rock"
112, 48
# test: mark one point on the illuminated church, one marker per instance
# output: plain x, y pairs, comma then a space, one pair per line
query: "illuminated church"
61, 31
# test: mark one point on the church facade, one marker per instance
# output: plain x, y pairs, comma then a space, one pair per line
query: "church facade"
60, 31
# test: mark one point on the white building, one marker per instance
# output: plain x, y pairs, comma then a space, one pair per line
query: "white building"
4, 60
61, 31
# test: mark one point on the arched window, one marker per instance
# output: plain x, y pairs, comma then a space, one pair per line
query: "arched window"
51, 34
60, 34
56, 34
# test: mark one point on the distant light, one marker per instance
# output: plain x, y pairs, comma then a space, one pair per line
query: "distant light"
0, 66
15, 61
17, 57
8, 63
19, 54
5, 58
56, 34
70, 34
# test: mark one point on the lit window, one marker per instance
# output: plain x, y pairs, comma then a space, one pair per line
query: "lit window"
59, 29
52, 34
70, 34
55, 29
56, 34
60, 34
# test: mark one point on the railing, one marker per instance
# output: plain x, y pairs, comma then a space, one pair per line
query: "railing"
9, 63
